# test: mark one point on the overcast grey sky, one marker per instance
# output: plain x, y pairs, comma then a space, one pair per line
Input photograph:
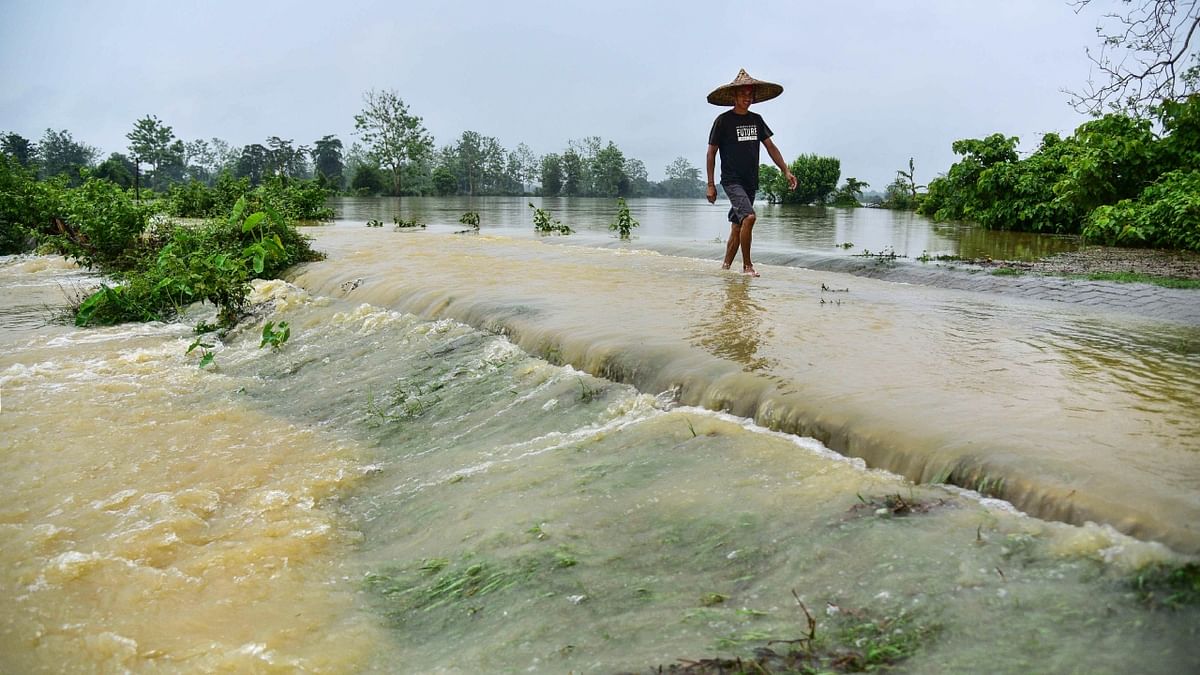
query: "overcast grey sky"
872, 82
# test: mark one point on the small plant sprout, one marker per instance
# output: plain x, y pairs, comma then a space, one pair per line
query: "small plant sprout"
624, 222
275, 335
206, 354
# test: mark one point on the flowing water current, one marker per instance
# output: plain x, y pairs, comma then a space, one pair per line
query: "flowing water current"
497, 453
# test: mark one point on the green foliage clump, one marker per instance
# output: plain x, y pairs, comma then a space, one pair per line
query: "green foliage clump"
816, 179
542, 222
26, 205
470, 218
97, 224
1165, 215
1115, 181
1168, 585
850, 194
624, 222
211, 263
294, 199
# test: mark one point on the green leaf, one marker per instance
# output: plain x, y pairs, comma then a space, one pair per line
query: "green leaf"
258, 262
253, 220
238, 208
206, 359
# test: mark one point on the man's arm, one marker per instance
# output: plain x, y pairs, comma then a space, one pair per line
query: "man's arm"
777, 157
710, 163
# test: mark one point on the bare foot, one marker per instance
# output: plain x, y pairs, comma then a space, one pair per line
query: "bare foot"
749, 270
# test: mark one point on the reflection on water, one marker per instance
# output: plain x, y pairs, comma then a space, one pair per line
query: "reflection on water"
780, 228
735, 330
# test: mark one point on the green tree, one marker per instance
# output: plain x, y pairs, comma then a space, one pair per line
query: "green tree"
254, 163
394, 136
850, 194
444, 181
327, 161
368, 180
62, 155
552, 175
116, 169
608, 173
682, 179
816, 179
286, 160
574, 179
639, 178
152, 142
19, 148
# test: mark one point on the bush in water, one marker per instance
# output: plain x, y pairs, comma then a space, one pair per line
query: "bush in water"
212, 263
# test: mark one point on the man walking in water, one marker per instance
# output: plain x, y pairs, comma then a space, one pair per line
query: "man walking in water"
736, 134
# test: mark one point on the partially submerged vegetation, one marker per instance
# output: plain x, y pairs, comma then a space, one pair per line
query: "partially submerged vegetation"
159, 267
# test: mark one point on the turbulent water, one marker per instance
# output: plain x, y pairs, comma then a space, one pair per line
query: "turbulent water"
491, 454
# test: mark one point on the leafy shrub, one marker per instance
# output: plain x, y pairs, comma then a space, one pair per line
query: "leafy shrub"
212, 263
98, 224
26, 205
1167, 214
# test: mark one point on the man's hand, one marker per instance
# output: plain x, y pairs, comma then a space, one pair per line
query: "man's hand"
791, 180
711, 192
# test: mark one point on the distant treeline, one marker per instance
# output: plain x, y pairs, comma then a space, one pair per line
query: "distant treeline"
396, 156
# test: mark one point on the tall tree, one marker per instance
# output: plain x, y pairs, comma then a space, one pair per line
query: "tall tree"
552, 177
1148, 53
639, 178
683, 179
19, 148
574, 179
117, 169
394, 136
608, 173
327, 160
286, 160
60, 154
151, 141
255, 163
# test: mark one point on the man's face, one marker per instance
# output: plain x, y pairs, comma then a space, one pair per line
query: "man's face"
743, 96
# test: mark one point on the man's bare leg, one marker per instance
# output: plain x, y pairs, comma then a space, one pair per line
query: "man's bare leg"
746, 235
731, 247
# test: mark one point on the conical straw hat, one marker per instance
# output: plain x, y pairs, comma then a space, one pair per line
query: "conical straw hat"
763, 91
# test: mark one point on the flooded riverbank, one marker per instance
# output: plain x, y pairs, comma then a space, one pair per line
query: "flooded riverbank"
486, 454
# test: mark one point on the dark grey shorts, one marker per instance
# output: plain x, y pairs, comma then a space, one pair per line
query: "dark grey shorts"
742, 202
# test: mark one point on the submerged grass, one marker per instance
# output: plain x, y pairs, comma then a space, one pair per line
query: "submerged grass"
465, 584
1138, 278
850, 641
1168, 586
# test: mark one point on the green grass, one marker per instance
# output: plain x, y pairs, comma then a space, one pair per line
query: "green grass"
1007, 272
1137, 278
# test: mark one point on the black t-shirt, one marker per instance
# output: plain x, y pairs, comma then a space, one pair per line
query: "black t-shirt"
737, 138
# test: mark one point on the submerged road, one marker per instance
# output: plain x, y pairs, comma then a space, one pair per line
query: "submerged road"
1070, 407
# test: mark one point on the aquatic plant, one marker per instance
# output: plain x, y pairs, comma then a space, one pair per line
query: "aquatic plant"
206, 354
273, 337
624, 221
855, 640
404, 224
374, 222
1162, 585
544, 224
470, 218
